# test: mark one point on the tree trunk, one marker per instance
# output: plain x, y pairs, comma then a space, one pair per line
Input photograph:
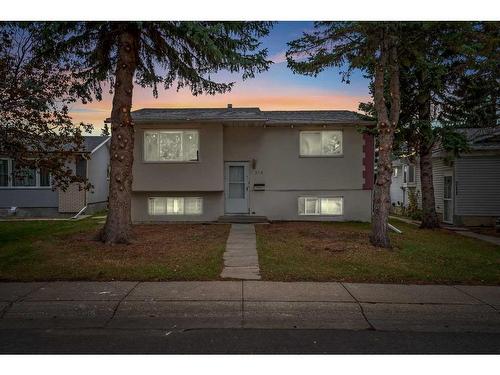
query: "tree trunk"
118, 223
381, 193
429, 215
386, 126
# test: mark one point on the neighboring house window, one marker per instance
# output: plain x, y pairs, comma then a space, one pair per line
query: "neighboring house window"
321, 205
44, 177
175, 206
81, 167
13, 175
321, 143
4, 172
411, 174
395, 172
22, 176
171, 145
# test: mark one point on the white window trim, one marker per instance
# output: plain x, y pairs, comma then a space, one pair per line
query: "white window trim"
319, 203
341, 154
168, 161
176, 215
406, 175
11, 186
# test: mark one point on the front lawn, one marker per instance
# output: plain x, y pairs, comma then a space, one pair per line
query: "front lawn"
68, 250
342, 252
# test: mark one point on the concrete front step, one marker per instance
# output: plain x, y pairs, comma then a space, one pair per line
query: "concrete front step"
242, 219
242, 273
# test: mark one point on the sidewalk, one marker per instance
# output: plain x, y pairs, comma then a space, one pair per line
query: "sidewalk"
250, 304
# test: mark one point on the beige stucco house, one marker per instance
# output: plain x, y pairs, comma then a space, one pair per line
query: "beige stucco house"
216, 164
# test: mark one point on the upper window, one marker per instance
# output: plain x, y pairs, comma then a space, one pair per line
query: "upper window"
171, 145
321, 206
321, 143
395, 172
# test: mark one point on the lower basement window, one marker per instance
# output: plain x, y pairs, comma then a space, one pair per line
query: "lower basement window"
175, 206
321, 206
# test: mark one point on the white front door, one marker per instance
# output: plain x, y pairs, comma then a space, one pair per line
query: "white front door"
448, 200
236, 187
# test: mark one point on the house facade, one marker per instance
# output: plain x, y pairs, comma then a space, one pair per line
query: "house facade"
32, 193
204, 164
466, 187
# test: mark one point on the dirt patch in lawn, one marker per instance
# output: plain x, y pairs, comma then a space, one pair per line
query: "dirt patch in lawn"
158, 252
320, 237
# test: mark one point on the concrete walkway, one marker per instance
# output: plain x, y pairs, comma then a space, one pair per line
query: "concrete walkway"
240, 259
459, 230
483, 237
250, 304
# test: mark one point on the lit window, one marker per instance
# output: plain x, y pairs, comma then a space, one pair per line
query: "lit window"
395, 172
321, 206
321, 143
175, 206
171, 145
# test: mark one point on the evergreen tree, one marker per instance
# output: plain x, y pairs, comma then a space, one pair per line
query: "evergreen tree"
373, 47
448, 72
150, 54
105, 130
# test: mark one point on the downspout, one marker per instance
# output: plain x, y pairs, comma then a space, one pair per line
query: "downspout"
79, 213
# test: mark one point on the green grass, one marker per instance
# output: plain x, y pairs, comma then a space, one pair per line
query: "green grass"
341, 252
68, 250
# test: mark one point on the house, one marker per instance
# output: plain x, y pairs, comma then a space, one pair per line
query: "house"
404, 178
244, 163
466, 187
32, 194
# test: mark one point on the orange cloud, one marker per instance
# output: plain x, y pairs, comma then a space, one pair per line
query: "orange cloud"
269, 98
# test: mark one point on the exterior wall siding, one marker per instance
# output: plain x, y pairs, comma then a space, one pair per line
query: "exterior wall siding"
439, 170
97, 170
478, 186
28, 198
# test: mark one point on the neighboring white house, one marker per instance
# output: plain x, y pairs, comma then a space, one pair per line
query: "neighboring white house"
229, 163
32, 193
466, 187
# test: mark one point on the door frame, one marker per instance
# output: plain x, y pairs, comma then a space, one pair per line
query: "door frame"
451, 200
246, 172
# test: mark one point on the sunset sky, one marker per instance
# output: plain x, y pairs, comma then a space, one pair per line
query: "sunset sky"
276, 89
